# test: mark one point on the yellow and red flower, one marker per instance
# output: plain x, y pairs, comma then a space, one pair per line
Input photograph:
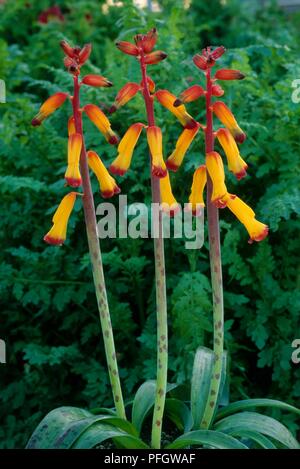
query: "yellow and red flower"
58, 232
72, 174
124, 95
125, 149
49, 106
108, 185
190, 94
167, 199
154, 137
215, 168
196, 202
224, 114
175, 159
100, 120
236, 164
167, 99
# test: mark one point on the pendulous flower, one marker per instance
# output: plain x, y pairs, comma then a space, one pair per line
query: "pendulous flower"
125, 149
100, 120
108, 185
215, 168
167, 99
224, 114
126, 93
72, 174
48, 107
185, 139
236, 164
196, 202
154, 137
58, 232
167, 199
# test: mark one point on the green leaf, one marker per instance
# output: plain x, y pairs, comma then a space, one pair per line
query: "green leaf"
253, 421
260, 439
250, 403
144, 401
201, 377
179, 413
206, 437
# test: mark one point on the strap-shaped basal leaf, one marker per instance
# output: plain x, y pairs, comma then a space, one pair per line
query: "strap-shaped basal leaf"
144, 401
258, 438
99, 432
201, 377
252, 403
252, 421
209, 438
179, 413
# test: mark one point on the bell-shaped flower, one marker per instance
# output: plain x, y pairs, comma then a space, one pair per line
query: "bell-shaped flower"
236, 164
224, 114
196, 202
215, 168
100, 120
182, 145
125, 149
154, 137
72, 174
49, 106
58, 232
108, 185
190, 94
167, 199
126, 93
167, 100
256, 229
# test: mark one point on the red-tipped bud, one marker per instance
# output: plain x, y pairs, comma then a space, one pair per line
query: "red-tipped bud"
125, 149
84, 53
167, 100
108, 185
49, 106
154, 137
151, 85
149, 40
224, 114
96, 80
227, 74
127, 48
190, 94
138, 39
124, 95
155, 57
217, 53
201, 62
68, 62
72, 174
68, 50
100, 120
216, 90
58, 232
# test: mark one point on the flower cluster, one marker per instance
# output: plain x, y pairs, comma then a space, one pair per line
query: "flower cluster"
75, 58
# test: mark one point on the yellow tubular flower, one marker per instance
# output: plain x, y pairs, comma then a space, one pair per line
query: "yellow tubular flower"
72, 174
196, 202
124, 95
182, 145
58, 232
125, 149
257, 230
215, 168
167, 100
224, 114
49, 106
236, 164
108, 185
100, 120
71, 126
154, 137
167, 199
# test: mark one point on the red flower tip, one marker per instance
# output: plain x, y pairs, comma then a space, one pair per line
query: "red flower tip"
35, 122
261, 236
159, 172
73, 182
172, 166
113, 140
112, 109
191, 124
177, 103
116, 170
54, 241
240, 137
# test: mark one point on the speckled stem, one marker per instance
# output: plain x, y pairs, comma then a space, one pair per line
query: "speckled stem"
96, 261
161, 298
216, 272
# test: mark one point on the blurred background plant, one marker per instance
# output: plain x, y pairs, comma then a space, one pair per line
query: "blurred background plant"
49, 316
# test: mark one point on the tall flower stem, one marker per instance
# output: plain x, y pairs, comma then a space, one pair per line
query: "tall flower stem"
216, 271
160, 283
96, 261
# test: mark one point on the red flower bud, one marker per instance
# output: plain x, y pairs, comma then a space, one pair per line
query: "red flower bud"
68, 50
84, 53
96, 80
226, 74
155, 57
200, 61
149, 41
217, 53
216, 90
127, 48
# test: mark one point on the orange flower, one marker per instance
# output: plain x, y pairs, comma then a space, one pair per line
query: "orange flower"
71, 126
236, 164
124, 95
108, 186
72, 175
154, 137
149, 40
125, 149
96, 80
224, 114
127, 48
201, 62
84, 53
155, 57
257, 230
190, 94
226, 74
49, 106
57, 234
215, 168
182, 145
167, 99
101, 122
167, 199
196, 202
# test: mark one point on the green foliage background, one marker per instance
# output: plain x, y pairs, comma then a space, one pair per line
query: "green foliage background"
49, 317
